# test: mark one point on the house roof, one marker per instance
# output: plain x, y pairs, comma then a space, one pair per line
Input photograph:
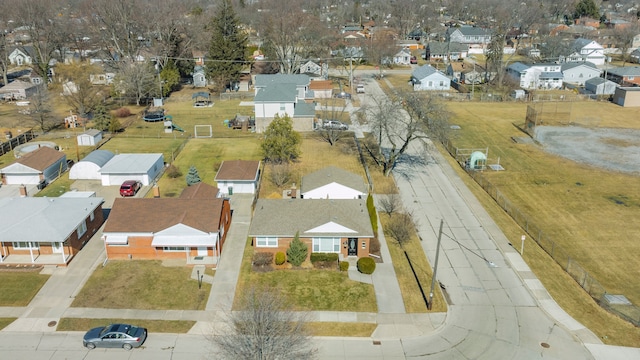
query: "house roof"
425, 71
246, 170
551, 75
320, 85
285, 217
582, 42
332, 174
56, 218
469, 30
518, 67
200, 191
277, 93
304, 109
41, 158
446, 47
130, 163
597, 81
99, 157
148, 215
571, 65
625, 71
92, 132
458, 66
17, 85
263, 80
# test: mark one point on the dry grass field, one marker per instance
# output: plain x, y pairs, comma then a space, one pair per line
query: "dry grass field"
591, 213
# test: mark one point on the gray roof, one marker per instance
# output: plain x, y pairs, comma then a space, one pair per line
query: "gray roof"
469, 30
304, 109
597, 81
130, 163
519, 67
571, 65
92, 132
446, 47
285, 217
625, 71
98, 157
277, 93
268, 79
551, 75
56, 218
425, 71
330, 175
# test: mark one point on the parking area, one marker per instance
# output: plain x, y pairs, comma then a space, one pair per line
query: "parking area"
108, 193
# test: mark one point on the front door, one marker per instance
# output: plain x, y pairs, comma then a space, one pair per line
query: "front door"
202, 251
56, 247
352, 249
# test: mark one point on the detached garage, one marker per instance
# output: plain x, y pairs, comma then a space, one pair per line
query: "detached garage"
238, 176
142, 167
90, 137
89, 167
43, 163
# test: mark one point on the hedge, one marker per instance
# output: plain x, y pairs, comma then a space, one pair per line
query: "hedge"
366, 265
344, 265
315, 257
280, 258
373, 214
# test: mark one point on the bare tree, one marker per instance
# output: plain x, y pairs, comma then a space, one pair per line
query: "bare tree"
40, 110
136, 81
331, 110
380, 48
265, 329
400, 228
280, 174
390, 203
84, 96
624, 40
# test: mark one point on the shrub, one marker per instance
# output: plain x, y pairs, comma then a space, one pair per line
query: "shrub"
316, 257
297, 251
344, 265
122, 112
374, 246
262, 259
366, 265
280, 258
173, 172
373, 215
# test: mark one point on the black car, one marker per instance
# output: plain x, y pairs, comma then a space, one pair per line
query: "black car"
343, 95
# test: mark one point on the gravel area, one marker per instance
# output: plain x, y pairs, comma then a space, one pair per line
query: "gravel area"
611, 149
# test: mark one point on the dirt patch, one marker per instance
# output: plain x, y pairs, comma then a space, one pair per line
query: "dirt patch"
610, 149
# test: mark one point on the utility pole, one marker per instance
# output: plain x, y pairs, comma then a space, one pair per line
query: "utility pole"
435, 266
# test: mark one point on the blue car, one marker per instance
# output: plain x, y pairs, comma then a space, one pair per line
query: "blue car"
115, 336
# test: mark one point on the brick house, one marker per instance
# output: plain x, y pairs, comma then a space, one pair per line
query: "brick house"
325, 225
191, 227
624, 76
64, 225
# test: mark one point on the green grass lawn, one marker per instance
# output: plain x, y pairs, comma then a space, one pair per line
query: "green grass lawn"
4, 322
145, 285
17, 288
153, 326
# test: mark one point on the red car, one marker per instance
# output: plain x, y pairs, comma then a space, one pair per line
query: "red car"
130, 188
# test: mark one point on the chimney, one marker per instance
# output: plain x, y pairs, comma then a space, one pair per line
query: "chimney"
293, 191
23, 191
156, 191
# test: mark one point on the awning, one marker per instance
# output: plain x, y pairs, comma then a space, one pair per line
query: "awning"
117, 239
183, 241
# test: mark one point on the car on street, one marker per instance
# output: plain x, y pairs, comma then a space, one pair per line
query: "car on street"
115, 336
335, 125
343, 95
130, 188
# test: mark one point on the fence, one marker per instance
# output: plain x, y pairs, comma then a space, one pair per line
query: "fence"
25, 137
562, 257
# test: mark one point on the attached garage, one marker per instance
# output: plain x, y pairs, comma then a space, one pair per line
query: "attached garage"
89, 167
141, 167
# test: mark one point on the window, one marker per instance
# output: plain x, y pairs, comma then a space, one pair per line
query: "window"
172, 248
282, 107
441, 83
364, 244
630, 77
37, 81
266, 241
328, 245
82, 228
25, 245
92, 216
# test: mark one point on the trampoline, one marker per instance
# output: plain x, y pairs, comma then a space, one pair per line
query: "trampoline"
153, 114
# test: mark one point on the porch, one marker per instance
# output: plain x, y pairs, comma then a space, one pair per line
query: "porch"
37, 259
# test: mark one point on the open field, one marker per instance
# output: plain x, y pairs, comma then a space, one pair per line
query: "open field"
17, 288
145, 285
152, 326
587, 211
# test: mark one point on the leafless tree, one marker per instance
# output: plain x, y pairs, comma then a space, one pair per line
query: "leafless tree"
40, 110
331, 110
136, 81
400, 228
390, 203
85, 96
380, 48
280, 174
624, 40
265, 329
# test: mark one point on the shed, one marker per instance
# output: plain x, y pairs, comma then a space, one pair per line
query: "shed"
627, 96
90, 137
43, 163
142, 167
477, 161
89, 167
238, 176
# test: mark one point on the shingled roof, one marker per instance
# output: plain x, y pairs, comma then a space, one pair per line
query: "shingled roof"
238, 170
41, 158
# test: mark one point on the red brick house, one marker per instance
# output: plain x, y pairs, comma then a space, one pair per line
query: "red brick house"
339, 226
191, 227
46, 230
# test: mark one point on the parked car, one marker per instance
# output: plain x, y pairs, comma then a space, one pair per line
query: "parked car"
335, 125
413, 60
360, 89
343, 95
115, 336
130, 188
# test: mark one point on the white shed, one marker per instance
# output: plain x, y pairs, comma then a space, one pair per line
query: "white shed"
142, 167
89, 167
238, 176
90, 137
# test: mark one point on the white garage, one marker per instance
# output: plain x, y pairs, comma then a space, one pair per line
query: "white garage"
142, 167
89, 167
238, 176
90, 137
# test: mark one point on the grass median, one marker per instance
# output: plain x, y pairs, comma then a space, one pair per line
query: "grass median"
153, 326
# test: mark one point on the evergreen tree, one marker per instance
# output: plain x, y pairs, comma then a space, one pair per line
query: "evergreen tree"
228, 44
170, 76
193, 177
101, 117
586, 8
114, 125
297, 251
281, 144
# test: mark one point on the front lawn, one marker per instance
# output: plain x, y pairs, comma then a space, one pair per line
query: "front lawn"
17, 288
145, 285
153, 326
4, 322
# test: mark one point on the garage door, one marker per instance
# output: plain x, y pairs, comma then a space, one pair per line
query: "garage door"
119, 179
22, 179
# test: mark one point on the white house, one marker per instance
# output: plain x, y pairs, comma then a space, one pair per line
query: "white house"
402, 57
89, 167
333, 183
600, 86
22, 56
475, 37
282, 95
238, 176
585, 50
90, 137
579, 72
427, 77
142, 167
315, 70
543, 76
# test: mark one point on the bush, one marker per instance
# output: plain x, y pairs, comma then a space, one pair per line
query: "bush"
366, 265
344, 265
316, 257
122, 112
262, 259
297, 251
280, 258
373, 215
173, 172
